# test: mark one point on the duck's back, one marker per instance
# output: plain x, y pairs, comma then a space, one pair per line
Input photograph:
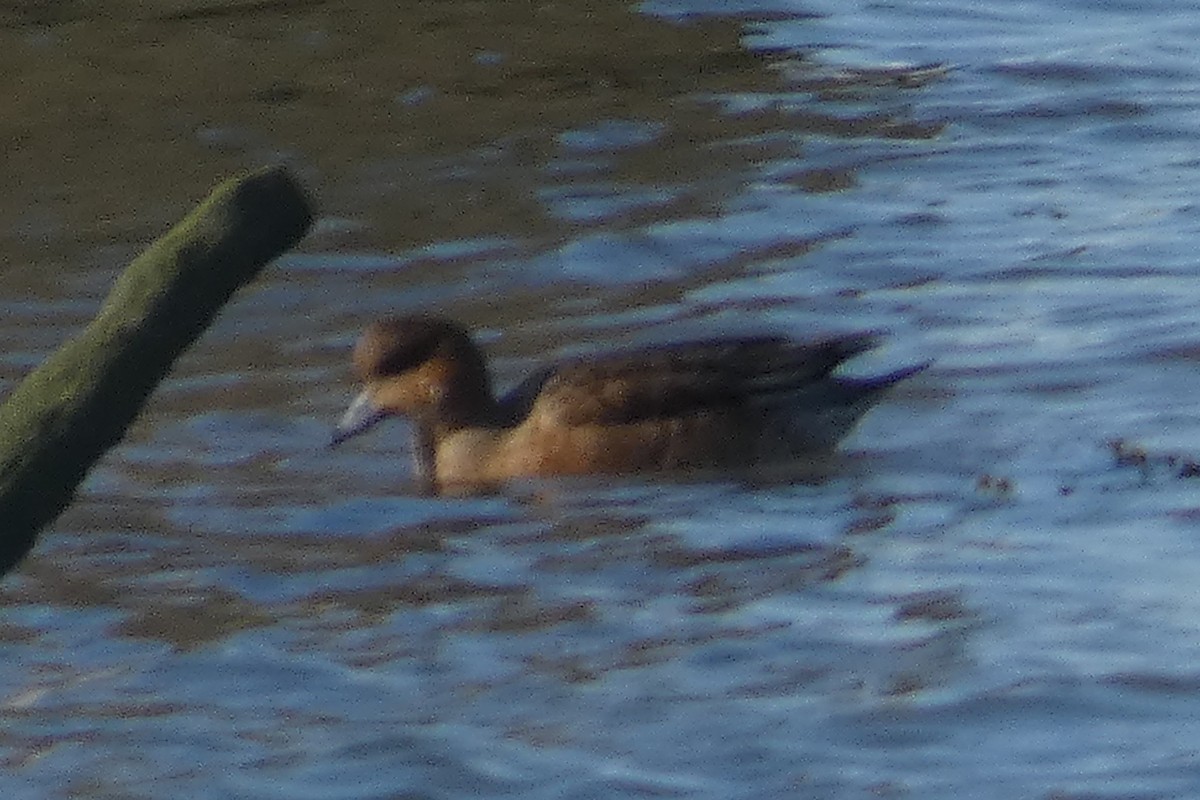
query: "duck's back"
680, 379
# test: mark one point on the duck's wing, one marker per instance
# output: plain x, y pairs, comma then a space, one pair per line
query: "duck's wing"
515, 404
679, 379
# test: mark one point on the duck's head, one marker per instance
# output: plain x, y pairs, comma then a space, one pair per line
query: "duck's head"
424, 368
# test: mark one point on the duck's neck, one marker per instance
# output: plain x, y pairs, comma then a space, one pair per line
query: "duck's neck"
469, 406
460, 411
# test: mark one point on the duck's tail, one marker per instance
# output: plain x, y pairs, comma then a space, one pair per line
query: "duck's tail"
830, 410
871, 388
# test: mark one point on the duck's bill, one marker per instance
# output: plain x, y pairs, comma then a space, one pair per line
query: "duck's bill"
361, 415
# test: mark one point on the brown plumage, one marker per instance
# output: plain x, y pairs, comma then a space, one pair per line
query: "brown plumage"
728, 402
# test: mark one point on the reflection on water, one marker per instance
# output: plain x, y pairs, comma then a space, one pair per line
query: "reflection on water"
976, 598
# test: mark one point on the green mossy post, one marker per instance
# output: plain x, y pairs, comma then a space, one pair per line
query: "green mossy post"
75, 406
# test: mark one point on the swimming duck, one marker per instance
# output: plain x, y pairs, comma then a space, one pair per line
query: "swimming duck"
716, 403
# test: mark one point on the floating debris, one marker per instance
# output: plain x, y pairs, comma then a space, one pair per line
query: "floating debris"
995, 485
1131, 454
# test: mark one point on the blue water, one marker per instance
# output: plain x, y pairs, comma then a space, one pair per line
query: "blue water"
980, 601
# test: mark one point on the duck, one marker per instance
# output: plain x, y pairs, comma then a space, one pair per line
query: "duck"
719, 403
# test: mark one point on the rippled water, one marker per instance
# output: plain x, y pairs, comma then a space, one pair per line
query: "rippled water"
979, 600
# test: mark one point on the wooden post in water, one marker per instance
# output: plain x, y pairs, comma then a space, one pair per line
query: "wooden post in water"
75, 406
